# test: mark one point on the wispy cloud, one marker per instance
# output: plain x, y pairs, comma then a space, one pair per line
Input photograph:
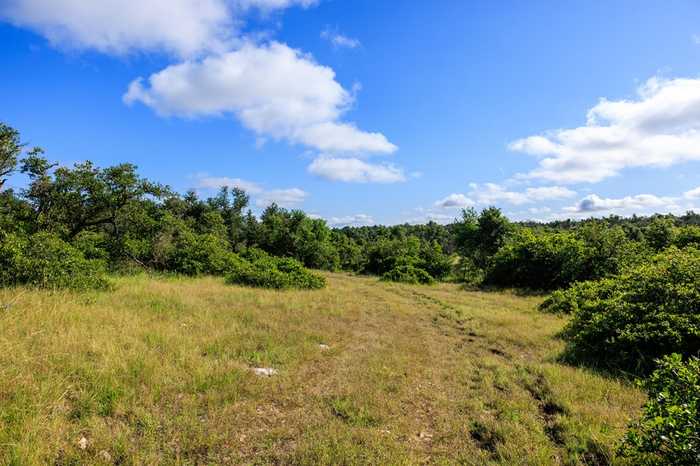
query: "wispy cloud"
339, 40
290, 197
351, 220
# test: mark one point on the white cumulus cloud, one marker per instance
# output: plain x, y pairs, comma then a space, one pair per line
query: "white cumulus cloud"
639, 202
288, 198
693, 193
179, 27
272, 89
660, 128
492, 193
454, 201
182, 27
353, 170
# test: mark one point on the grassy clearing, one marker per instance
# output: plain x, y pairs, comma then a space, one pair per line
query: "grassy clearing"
158, 371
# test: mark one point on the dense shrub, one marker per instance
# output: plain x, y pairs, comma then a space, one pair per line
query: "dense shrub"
687, 236
408, 255
660, 234
408, 274
609, 251
179, 249
93, 245
669, 431
43, 260
539, 261
386, 254
578, 295
274, 272
647, 312
351, 256
434, 261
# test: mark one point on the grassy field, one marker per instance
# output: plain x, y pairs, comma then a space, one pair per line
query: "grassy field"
159, 372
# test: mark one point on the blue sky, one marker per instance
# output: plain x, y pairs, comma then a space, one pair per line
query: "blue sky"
371, 112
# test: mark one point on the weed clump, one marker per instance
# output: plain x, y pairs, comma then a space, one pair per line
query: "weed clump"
350, 412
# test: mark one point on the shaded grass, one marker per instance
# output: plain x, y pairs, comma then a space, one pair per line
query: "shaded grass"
158, 371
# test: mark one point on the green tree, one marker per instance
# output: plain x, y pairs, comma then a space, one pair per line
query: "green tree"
660, 233
10, 148
70, 200
478, 237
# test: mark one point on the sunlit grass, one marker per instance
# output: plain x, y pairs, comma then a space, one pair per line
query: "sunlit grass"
158, 371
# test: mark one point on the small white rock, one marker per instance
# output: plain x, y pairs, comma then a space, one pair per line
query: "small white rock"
82, 443
324, 347
265, 371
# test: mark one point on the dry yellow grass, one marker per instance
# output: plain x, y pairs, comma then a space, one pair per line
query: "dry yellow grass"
158, 372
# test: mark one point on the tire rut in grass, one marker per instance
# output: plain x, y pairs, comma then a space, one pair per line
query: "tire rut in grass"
550, 410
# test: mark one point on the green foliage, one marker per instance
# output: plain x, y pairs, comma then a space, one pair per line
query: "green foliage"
544, 261
645, 313
408, 273
92, 245
292, 233
434, 261
351, 256
44, 260
669, 431
353, 413
609, 251
387, 253
660, 233
578, 295
407, 259
10, 148
263, 271
478, 237
70, 200
687, 236
551, 260
179, 249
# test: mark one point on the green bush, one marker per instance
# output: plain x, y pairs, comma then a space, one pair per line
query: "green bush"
181, 250
92, 245
44, 260
660, 234
273, 272
539, 261
687, 236
434, 261
408, 274
578, 295
397, 256
669, 431
645, 313
608, 250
